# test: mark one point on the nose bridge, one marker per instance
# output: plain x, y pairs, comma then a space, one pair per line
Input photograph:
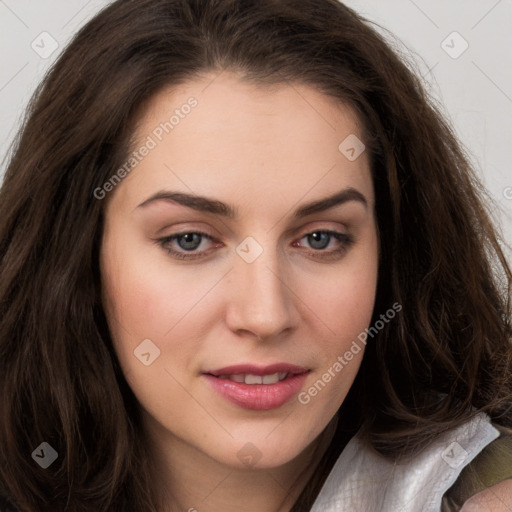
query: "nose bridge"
262, 302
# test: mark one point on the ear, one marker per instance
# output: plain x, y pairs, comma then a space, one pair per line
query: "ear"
497, 498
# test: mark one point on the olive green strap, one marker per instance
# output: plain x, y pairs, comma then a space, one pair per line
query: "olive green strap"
490, 467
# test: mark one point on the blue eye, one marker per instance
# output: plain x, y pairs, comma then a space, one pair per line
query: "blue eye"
188, 242
191, 241
320, 239
184, 246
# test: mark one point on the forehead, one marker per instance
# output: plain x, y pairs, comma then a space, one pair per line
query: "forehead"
222, 133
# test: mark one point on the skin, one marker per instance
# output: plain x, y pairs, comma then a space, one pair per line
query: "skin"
265, 151
497, 498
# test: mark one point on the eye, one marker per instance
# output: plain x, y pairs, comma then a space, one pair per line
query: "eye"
319, 240
188, 245
184, 243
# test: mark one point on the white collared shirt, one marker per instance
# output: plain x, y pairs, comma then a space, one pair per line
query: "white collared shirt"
362, 480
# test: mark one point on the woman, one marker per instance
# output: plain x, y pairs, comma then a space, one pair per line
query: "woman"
246, 265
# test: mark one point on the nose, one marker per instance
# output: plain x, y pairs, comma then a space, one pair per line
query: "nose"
261, 300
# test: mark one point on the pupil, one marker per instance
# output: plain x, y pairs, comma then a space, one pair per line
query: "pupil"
316, 242
191, 241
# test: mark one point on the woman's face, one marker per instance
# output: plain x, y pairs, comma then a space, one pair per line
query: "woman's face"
253, 286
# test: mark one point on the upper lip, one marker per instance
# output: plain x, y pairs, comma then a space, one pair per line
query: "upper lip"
258, 370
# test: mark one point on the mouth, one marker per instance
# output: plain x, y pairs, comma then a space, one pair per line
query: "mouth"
261, 388
250, 379
252, 374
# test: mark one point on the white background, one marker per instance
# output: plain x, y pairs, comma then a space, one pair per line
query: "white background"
475, 89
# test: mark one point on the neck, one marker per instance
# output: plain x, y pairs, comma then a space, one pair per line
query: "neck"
189, 480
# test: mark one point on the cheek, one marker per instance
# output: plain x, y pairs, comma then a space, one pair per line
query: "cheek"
343, 308
345, 303
148, 297
146, 308
344, 313
344, 300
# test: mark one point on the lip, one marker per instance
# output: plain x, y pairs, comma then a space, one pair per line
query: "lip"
258, 370
258, 396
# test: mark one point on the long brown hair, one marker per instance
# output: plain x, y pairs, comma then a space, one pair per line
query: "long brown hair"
446, 355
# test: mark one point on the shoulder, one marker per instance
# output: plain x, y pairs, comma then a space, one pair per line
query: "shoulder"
363, 479
486, 483
497, 498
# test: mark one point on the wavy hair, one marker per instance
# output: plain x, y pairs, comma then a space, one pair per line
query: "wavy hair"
446, 356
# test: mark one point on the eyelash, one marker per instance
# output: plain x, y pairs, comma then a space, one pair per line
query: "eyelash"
346, 241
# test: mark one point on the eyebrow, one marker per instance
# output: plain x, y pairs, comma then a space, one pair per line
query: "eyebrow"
210, 205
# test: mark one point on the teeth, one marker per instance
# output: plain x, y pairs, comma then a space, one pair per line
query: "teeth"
256, 379
271, 379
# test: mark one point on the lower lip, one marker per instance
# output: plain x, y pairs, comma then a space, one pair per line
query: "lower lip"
258, 396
